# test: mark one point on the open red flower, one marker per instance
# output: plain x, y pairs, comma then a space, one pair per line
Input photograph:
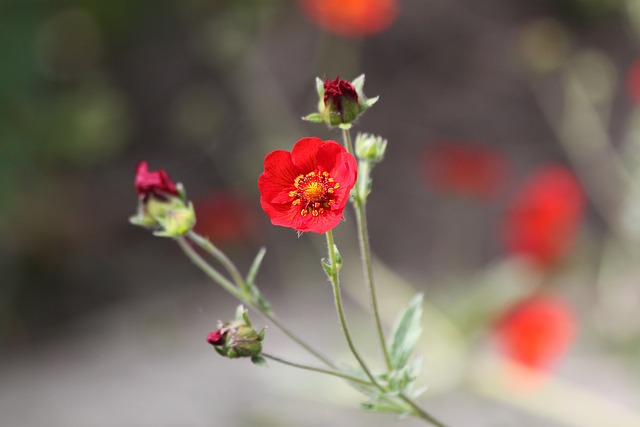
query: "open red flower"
307, 189
537, 331
156, 183
351, 18
543, 221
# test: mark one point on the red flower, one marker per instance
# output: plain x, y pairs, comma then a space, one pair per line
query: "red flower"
351, 18
336, 90
537, 331
156, 184
462, 168
543, 220
307, 189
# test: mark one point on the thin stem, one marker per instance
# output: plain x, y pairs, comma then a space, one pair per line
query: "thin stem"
229, 287
222, 258
316, 369
294, 338
419, 412
365, 251
365, 248
335, 282
346, 135
208, 270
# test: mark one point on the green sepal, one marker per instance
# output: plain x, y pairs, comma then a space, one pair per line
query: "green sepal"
369, 102
358, 84
242, 315
406, 333
259, 360
328, 268
314, 117
320, 87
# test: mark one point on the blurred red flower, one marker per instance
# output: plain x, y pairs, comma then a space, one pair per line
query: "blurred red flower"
633, 81
307, 189
537, 331
351, 18
465, 169
225, 217
156, 183
543, 220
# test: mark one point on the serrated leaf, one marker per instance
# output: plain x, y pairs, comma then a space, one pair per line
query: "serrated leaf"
255, 266
314, 117
405, 333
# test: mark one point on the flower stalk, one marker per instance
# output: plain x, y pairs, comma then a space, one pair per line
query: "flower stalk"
359, 203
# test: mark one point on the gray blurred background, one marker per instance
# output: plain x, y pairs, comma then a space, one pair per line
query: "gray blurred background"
102, 324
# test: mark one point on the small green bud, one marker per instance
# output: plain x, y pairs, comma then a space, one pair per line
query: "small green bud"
370, 148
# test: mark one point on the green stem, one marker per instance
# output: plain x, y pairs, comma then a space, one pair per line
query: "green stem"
208, 270
365, 247
242, 297
294, 338
222, 258
419, 412
346, 135
365, 250
315, 369
335, 282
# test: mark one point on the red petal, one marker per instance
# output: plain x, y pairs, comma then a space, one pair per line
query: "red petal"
304, 154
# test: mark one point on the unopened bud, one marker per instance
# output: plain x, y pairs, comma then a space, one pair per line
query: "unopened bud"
370, 148
238, 338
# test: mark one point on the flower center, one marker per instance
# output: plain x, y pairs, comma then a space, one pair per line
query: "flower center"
314, 192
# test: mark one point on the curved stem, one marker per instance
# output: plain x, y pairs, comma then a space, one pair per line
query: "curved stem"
222, 258
208, 270
294, 338
242, 297
343, 321
316, 369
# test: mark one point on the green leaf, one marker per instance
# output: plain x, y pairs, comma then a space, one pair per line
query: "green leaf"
253, 271
405, 334
314, 117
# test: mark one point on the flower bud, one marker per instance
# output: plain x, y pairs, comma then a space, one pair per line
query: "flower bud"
370, 148
340, 101
162, 204
238, 338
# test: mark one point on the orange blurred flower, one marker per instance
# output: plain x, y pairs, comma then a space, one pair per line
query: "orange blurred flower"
537, 331
351, 18
464, 169
544, 218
